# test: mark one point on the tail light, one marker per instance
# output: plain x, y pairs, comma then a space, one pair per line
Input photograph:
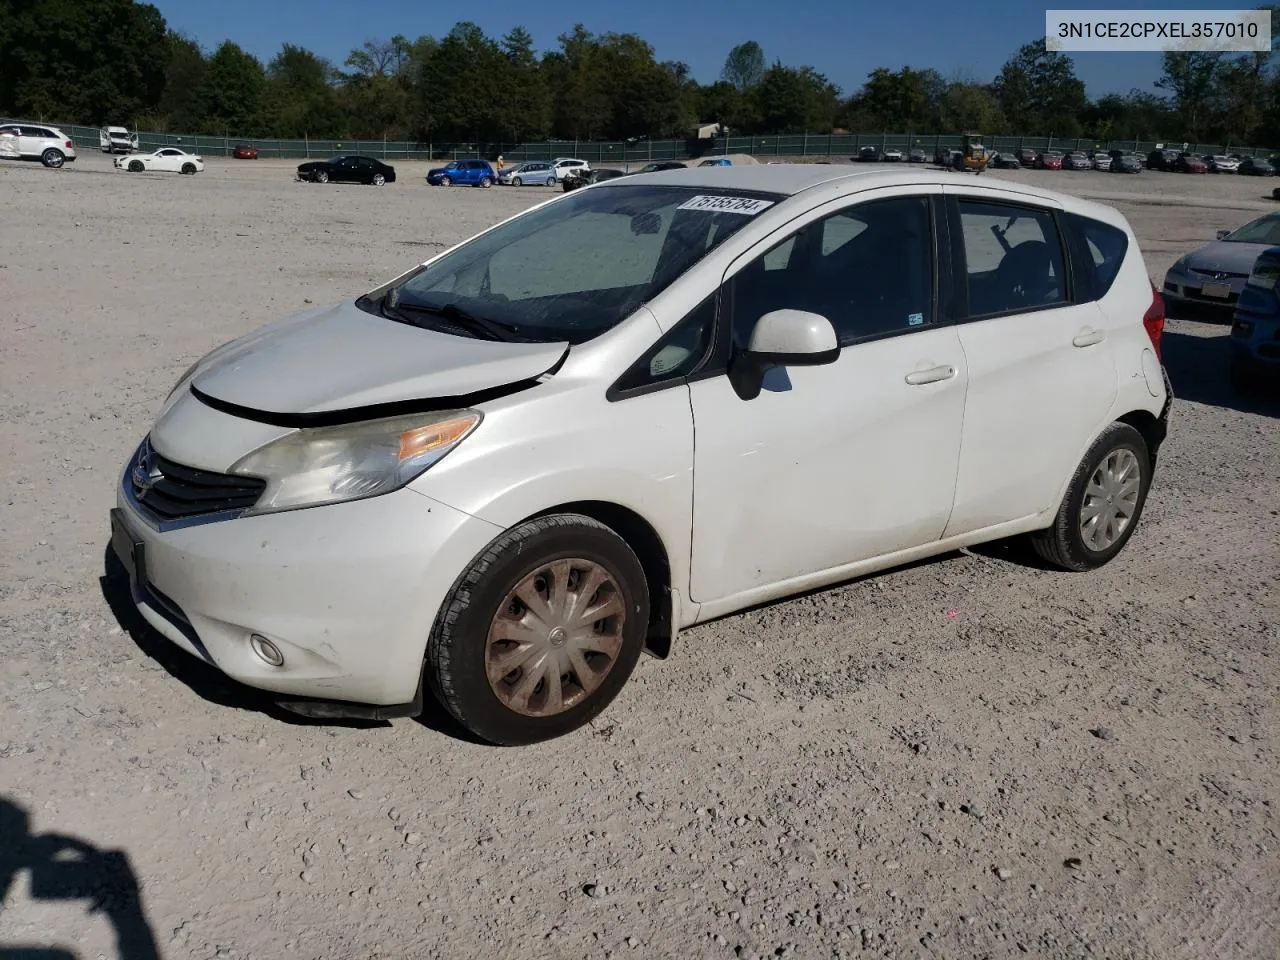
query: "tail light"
71, 145
1153, 319
1266, 271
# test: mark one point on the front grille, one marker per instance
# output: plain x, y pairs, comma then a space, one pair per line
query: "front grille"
1213, 275
171, 491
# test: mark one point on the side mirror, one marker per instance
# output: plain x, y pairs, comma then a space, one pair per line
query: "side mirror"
1223, 234
783, 338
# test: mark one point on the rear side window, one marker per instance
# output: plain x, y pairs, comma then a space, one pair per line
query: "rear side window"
1106, 247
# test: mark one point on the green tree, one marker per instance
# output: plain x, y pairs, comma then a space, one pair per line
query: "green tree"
525, 108
581, 103
795, 100
298, 99
95, 61
744, 66
180, 105
1039, 92
970, 106
232, 91
460, 89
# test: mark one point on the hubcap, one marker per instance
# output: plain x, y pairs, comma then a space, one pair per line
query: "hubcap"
1110, 499
555, 638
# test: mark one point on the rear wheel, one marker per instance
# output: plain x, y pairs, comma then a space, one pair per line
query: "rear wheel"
53, 159
1103, 502
485, 182
136, 166
540, 633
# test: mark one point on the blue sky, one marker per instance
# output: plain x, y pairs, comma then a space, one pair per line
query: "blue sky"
844, 40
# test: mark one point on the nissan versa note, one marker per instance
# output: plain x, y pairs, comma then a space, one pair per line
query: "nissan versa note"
503, 475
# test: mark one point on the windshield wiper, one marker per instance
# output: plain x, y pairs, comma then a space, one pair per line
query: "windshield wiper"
489, 329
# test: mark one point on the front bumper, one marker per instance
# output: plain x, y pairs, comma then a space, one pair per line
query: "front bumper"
347, 592
1187, 286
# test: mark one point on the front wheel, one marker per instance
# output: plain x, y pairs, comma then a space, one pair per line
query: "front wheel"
53, 159
322, 176
446, 181
517, 182
1103, 502
540, 633
135, 166
188, 168
379, 179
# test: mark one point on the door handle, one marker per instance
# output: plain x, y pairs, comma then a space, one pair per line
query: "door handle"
933, 375
1088, 337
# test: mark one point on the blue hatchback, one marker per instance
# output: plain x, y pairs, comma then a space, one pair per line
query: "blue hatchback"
1255, 332
468, 173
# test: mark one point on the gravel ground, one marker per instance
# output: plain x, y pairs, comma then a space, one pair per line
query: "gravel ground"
970, 757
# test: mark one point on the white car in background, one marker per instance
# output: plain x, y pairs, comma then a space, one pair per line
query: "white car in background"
20, 140
1219, 163
164, 160
565, 166
480, 479
117, 140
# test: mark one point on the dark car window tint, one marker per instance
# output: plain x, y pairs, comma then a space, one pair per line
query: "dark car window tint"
867, 269
1107, 248
1011, 266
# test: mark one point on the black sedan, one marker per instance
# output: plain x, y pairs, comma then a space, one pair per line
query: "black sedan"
659, 165
1256, 167
1006, 161
348, 169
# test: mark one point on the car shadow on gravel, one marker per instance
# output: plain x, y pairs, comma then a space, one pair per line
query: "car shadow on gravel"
1197, 368
215, 687
65, 868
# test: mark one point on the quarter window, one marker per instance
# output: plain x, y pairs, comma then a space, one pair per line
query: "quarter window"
868, 269
1013, 258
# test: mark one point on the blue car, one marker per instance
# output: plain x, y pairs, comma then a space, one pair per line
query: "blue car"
1255, 331
469, 173
717, 162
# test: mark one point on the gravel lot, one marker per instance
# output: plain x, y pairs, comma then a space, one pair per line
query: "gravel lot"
970, 757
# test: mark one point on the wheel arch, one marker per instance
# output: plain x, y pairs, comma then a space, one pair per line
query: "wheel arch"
1150, 426
649, 549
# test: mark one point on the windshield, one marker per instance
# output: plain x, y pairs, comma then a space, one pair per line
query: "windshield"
335, 159
578, 266
1263, 230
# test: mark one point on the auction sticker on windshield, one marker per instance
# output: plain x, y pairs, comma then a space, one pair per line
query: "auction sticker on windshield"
744, 205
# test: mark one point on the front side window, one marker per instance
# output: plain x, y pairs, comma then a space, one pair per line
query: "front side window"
868, 269
576, 267
1013, 258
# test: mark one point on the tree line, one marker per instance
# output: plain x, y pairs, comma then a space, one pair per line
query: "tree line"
117, 61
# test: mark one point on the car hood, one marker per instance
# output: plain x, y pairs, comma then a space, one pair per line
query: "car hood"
339, 361
1226, 257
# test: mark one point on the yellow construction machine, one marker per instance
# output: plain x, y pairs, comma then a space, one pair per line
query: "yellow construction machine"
973, 156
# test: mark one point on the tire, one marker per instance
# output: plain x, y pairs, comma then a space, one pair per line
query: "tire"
188, 169
517, 182
136, 166
446, 181
485, 182
460, 646
53, 159
379, 179
1064, 544
321, 176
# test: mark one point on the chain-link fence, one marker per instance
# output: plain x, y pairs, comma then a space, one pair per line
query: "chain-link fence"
607, 152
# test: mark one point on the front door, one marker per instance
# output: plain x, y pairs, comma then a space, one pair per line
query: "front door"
832, 464
1041, 374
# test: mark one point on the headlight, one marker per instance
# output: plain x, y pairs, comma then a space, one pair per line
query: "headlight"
1265, 273
330, 464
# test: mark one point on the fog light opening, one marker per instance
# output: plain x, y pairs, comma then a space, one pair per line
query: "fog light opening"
266, 650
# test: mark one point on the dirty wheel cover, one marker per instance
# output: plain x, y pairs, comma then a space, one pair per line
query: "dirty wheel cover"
1110, 499
555, 637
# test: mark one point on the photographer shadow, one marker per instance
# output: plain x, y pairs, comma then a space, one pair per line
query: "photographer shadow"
67, 868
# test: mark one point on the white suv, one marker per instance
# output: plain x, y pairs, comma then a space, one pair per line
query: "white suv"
20, 140
564, 166
481, 478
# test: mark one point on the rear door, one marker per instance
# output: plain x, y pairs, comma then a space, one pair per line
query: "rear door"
1041, 374
10, 148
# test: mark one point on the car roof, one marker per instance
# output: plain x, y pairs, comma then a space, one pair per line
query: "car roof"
795, 178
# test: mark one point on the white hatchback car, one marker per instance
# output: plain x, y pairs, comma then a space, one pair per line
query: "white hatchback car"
633, 408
